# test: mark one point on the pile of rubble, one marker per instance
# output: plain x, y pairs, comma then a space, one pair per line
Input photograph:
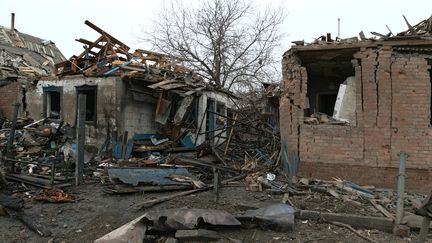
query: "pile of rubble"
338, 202
107, 56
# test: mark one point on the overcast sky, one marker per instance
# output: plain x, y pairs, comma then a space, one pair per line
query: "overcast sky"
63, 21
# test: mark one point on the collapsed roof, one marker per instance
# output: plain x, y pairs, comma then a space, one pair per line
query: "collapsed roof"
26, 56
108, 56
419, 34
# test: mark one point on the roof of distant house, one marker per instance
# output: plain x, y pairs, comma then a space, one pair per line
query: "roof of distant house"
26, 56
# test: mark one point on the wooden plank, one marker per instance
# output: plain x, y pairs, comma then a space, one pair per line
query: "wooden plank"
382, 209
113, 39
153, 202
172, 86
156, 85
185, 103
197, 162
134, 69
28, 221
367, 222
90, 47
89, 43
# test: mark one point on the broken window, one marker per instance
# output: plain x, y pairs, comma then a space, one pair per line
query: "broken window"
327, 71
91, 96
52, 100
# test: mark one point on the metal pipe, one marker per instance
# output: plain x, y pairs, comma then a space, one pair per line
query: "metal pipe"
400, 188
13, 21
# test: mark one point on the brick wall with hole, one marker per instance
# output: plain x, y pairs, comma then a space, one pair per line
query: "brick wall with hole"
393, 99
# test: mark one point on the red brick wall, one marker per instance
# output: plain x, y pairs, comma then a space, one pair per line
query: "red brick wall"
416, 179
8, 96
331, 144
393, 114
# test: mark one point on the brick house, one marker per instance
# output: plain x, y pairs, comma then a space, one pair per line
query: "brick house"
384, 88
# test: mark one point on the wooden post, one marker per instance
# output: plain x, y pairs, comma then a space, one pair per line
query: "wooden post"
12, 135
124, 145
424, 229
230, 134
79, 166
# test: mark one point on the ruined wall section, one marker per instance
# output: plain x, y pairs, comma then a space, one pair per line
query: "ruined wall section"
330, 144
106, 101
393, 114
9, 95
375, 99
136, 116
411, 130
292, 101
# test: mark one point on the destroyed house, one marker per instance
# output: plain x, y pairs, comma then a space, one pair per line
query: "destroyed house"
349, 108
23, 59
131, 96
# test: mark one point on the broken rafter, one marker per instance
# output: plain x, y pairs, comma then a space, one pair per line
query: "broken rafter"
89, 43
87, 49
411, 29
113, 39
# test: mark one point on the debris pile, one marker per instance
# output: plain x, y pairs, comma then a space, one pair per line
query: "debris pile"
423, 28
108, 56
40, 153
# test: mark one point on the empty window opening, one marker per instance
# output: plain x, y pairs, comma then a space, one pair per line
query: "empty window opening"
52, 102
91, 97
326, 71
325, 103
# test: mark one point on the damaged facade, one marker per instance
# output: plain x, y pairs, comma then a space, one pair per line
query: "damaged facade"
349, 108
140, 92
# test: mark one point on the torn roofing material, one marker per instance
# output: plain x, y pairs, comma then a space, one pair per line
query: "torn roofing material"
416, 35
146, 71
26, 55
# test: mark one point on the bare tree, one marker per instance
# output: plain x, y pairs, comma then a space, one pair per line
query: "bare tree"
228, 42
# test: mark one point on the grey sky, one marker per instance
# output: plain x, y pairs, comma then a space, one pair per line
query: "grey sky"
63, 21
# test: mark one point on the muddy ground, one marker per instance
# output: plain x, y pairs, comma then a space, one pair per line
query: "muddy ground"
96, 213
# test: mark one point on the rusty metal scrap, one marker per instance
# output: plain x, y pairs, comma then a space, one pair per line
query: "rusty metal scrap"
55, 195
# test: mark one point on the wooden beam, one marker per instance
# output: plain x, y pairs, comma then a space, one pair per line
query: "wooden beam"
87, 42
368, 222
90, 47
102, 32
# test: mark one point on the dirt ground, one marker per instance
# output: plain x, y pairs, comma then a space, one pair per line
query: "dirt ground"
96, 213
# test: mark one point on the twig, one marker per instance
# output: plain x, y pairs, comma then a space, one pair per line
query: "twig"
353, 230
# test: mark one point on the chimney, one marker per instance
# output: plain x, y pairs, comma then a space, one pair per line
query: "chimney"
13, 21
